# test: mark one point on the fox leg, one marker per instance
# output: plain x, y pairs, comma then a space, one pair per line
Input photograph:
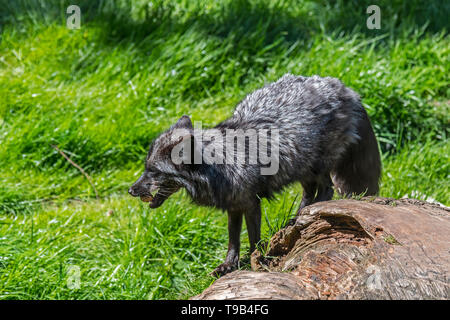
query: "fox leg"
253, 222
309, 194
325, 190
234, 243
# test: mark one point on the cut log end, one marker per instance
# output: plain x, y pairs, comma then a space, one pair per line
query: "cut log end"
377, 248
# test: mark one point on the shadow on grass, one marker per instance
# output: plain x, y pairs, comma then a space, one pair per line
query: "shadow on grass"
249, 26
242, 20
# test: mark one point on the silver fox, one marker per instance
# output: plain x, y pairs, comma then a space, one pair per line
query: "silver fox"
325, 139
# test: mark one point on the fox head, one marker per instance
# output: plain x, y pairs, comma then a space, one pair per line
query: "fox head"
161, 177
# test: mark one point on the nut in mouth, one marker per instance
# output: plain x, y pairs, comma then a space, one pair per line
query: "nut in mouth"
156, 198
147, 198
150, 197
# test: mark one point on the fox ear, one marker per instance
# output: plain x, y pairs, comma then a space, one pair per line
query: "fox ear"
183, 149
183, 123
183, 146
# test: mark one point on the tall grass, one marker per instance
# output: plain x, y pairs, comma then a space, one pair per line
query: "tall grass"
103, 92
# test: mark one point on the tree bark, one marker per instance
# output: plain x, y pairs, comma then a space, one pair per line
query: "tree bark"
376, 248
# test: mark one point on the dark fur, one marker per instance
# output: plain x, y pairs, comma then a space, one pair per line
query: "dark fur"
325, 138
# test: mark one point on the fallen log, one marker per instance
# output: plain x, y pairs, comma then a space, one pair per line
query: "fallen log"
376, 248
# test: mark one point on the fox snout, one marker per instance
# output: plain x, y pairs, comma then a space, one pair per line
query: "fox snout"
133, 192
136, 191
141, 187
149, 191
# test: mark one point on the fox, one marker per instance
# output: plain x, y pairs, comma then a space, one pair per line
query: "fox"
325, 141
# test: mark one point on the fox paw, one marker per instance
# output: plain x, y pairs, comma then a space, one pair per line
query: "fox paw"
223, 269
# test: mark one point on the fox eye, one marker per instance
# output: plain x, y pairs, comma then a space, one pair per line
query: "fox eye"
154, 172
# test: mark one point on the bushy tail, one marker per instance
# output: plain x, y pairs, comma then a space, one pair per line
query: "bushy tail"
359, 170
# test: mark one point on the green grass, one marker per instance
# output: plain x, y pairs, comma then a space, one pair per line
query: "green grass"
103, 92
